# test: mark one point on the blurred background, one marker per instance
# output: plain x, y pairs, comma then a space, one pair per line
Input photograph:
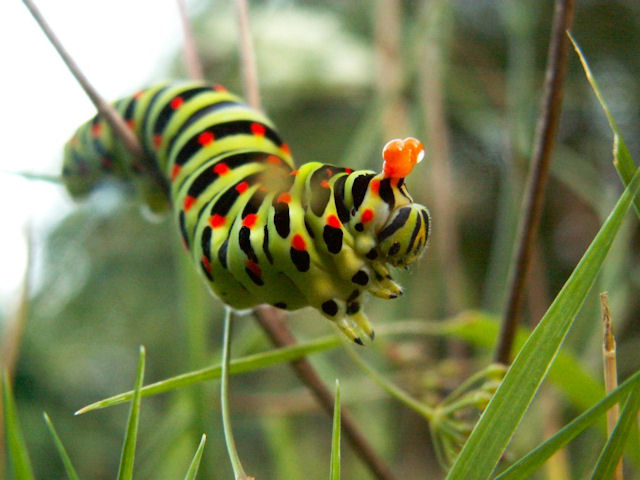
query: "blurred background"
82, 285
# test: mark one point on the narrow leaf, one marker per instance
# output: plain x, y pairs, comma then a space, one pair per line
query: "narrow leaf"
526, 466
125, 472
496, 426
68, 466
19, 462
614, 447
335, 438
622, 158
237, 366
195, 463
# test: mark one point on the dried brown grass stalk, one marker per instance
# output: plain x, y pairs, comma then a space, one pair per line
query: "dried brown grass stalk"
610, 368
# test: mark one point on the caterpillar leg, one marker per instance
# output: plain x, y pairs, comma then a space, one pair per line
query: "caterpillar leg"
347, 326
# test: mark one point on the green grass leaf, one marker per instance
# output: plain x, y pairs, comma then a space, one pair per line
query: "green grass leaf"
19, 462
195, 463
610, 455
237, 366
68, 466
499, 421
622, 159
125, 471
335, 437
527, 465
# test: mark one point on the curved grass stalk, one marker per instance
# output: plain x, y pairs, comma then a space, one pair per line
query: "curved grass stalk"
238, 470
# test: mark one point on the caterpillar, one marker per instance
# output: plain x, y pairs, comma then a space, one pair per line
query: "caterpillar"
258, 228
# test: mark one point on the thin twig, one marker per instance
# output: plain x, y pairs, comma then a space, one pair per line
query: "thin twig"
273, 322
113, 118
441, 182
390, 74
191, 59
247, 56
610, 368
534, 197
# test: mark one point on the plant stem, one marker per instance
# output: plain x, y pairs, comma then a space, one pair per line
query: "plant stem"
238, 471
110, 114
610, 368
247, 56
191, 60
534, 197
273, 322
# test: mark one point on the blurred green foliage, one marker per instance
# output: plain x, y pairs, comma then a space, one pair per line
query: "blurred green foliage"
112, 281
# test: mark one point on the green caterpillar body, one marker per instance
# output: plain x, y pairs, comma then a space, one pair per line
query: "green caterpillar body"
259, 229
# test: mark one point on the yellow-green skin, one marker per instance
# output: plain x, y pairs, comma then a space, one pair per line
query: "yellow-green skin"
331, 232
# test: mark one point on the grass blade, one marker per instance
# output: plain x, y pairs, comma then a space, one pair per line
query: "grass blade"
195, 463
19, 462
335, 437
622, 158
68, 466
241, 365
614, 447
526, 466
125, 472
491, 435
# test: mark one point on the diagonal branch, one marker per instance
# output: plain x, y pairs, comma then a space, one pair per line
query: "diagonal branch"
273, 322
113, 118
534, 197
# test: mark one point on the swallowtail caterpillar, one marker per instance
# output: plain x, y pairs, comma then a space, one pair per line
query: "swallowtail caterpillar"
258, 228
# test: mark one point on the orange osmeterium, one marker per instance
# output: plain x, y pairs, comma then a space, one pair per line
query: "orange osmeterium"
400, 156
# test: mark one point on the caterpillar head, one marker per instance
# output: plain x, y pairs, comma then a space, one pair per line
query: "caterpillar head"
405, 235
406, 232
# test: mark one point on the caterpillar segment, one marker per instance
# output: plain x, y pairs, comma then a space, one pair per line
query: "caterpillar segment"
259, 229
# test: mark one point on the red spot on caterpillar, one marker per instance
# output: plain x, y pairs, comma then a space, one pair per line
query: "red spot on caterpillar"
333, 221
206, 263
284, 197
348, 170
258, 129
254, 267
176, 103
221, 168
242, 187
324, 184
367, 216
219, 88
294, 172
157, 140
96, 129
205, 138
272, 159
138, 94
250, 220
285, 148
131, 123
188, 202
175, 170
298, 243
375, 185
329, 172
216, 220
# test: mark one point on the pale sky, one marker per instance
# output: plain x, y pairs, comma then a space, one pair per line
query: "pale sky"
120, 45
